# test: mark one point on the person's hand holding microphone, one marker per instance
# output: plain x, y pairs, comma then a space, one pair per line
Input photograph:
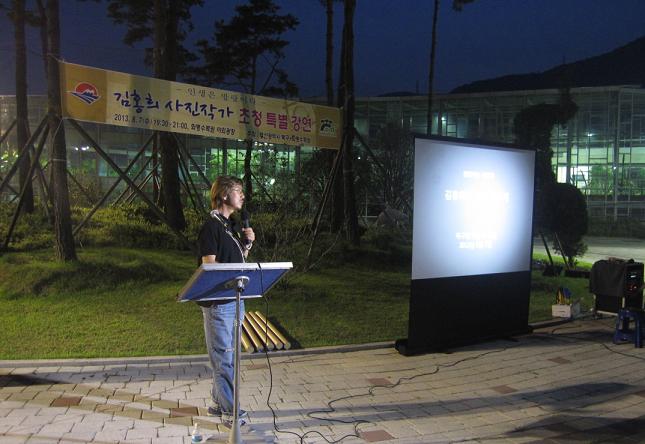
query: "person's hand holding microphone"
248, 234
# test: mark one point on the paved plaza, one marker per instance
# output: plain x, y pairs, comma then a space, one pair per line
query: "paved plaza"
564, 383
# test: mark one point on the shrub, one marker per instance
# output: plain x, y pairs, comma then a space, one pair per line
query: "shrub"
85, 188
134, 225
280, 236
131, 225
568, 214
32, 231
391, 246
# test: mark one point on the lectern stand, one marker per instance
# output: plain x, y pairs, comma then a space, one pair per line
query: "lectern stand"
216, 282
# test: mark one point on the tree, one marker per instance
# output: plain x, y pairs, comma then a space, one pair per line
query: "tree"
344, 200
600, 181
393, 150
327, 156
338, 197
569, 221
22, 115
433, 46
457, 5
351, 216
246, 56
165, 67
150, 19
329, 50
38, 18
166, 22
64, 240
533, 127
17, 14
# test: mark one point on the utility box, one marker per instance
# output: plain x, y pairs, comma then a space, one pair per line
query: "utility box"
567, 311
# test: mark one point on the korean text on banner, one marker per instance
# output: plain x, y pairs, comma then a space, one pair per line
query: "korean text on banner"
101, 96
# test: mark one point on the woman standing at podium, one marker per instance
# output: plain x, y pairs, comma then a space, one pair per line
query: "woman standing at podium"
220, 241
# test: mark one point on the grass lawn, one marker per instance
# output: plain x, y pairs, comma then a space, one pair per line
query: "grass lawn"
121, 302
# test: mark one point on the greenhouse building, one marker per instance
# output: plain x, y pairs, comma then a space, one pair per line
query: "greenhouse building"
601, 150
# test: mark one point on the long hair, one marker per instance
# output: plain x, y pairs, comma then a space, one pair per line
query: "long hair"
221, 188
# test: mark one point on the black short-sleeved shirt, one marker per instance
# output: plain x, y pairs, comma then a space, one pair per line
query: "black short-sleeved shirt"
214, 239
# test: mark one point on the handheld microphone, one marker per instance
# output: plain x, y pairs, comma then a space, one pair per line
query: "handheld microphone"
246, 223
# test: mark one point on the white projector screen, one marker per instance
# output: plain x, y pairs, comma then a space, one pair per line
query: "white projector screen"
473, 209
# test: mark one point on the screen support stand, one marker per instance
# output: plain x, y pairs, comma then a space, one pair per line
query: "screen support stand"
235, 435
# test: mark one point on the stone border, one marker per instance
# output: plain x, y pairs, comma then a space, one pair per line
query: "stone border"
204, 358
76, 362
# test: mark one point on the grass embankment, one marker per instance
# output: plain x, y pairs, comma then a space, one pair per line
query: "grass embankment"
121, 302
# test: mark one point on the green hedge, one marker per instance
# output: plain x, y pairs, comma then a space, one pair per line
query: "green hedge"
134, 226
618, 228
137, 226
131, 225
33, 231
279, 237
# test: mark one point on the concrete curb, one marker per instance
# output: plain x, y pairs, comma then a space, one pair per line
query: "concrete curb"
22, 363
76, 362
204, 357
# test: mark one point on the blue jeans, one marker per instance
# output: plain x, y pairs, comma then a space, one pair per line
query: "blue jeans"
219, 330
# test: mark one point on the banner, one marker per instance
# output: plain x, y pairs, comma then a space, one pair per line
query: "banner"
115, 98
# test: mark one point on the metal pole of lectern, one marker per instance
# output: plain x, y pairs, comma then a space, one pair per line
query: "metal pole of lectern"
220, 285
235, 435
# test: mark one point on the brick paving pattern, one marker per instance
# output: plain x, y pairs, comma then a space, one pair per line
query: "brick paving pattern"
561, 384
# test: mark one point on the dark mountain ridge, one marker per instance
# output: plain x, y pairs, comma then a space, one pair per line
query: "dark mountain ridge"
622, 66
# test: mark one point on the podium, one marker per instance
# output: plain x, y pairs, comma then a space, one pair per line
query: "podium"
209, 281
227, 282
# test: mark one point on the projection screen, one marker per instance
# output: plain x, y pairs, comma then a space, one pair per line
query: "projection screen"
473, 209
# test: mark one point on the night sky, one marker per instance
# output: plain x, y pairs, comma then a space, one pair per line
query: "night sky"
488, 38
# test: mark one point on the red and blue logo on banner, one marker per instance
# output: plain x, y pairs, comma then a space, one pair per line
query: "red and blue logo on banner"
86, 92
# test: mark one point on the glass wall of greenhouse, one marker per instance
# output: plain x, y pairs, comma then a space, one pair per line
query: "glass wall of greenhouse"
601, 150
